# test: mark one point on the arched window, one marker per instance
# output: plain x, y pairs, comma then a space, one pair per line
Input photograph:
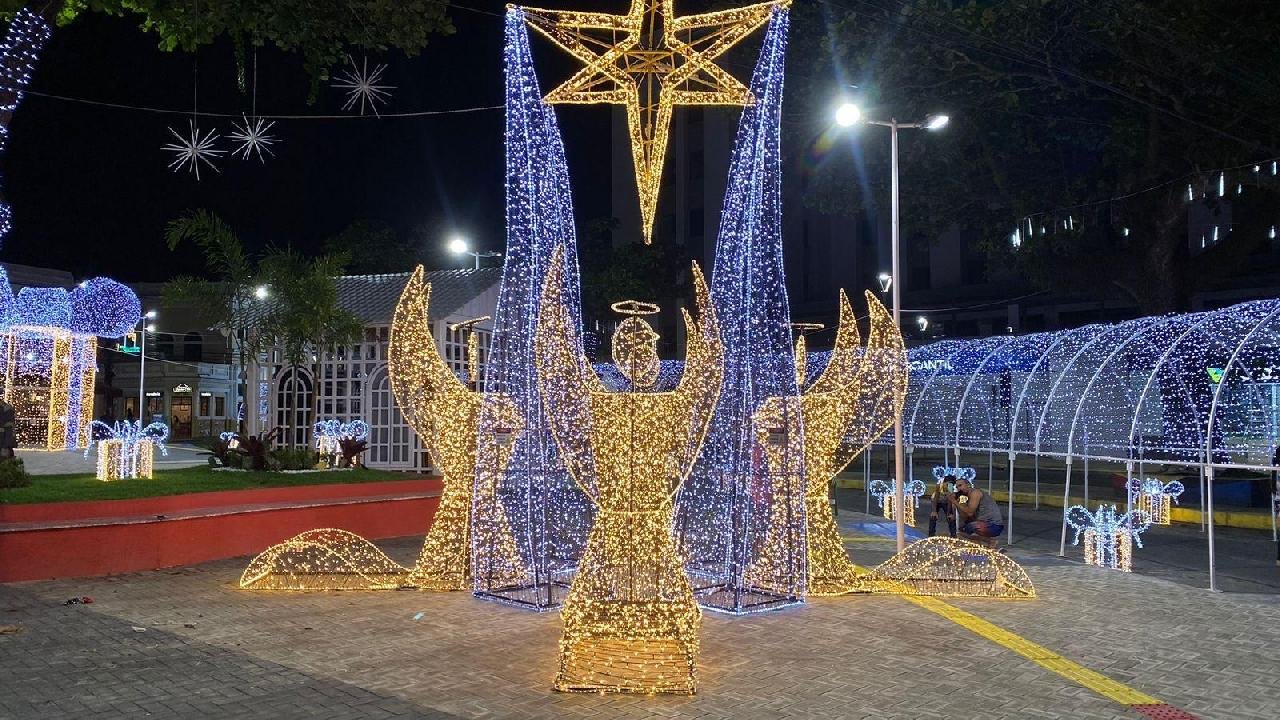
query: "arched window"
192, 347
293, 408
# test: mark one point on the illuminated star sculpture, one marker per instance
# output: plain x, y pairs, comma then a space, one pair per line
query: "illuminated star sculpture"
254, 138
650, 61
192, 149
363, 86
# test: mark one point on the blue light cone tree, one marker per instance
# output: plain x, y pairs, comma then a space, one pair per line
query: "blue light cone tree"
547, 513
729, 500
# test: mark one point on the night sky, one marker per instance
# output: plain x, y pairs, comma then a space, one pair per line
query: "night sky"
91, 190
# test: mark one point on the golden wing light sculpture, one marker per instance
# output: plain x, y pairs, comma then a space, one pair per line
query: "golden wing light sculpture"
853, 401
445, 415
630, 619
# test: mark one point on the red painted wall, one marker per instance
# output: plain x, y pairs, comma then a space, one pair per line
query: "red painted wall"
143, 544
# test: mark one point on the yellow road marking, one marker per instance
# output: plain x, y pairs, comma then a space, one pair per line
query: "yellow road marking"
1038, 654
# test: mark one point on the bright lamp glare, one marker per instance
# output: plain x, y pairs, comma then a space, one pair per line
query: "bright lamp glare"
937, 122
151, 314
260, 292
457, 245
848, 114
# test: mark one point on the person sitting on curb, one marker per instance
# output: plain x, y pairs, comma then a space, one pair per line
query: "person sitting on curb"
979, 514
941, 506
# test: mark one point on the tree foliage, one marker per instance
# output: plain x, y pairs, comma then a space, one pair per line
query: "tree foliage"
321, 32
1054, 104
375, 247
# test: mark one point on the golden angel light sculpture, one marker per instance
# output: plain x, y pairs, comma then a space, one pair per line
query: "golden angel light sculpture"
852, 402
444, 413
630, 619
650, 61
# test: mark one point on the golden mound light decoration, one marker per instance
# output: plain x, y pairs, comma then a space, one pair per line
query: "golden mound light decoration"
650, 61
445, 415
948, 567
324, 559
852, 402
630, 619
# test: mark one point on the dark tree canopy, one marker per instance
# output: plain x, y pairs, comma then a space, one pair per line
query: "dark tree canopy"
321, 32
1054, 104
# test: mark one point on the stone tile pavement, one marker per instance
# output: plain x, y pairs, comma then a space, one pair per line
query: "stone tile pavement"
207, 649
66, 462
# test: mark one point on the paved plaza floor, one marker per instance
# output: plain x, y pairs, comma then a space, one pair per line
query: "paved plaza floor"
188, 643
67, 462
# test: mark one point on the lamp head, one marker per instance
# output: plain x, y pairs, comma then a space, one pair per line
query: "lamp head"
151, 315
457, 245
936, 122
261, 292
848, 115
886, 281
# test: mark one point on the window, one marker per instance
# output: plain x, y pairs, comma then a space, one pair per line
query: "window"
164, 345
192, 347
220, 406
204, 406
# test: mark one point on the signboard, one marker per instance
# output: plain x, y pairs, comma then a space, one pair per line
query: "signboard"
182, 388
1215, 375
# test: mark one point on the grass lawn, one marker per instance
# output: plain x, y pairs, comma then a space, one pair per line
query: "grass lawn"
62, 488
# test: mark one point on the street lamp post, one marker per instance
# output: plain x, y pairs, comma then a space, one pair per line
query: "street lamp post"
847, 115
148, 326
459, 246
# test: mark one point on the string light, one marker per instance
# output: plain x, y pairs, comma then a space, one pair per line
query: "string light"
728, 509
948, 567
127, 448
854, 400
1154, 497
192, 149
323, 559
1109, 536
23, 42
650, 72
630, 620
959, 472
445, 415
531, 494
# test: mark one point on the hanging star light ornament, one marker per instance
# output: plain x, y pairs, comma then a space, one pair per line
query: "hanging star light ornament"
254, 136
650, 61
192, 149
364, 86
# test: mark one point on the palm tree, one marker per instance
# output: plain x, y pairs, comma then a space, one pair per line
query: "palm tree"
226, 300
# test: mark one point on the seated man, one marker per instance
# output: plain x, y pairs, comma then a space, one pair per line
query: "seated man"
980, 516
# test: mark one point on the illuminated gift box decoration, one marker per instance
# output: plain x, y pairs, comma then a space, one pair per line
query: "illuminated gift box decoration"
329, 434
885, 495
50, 354
127, 449
1154, 497
1109, 536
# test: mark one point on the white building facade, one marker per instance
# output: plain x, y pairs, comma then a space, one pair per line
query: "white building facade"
352, 380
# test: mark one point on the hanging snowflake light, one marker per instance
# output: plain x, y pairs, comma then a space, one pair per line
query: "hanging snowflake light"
364, 86
254, 138
192, 149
